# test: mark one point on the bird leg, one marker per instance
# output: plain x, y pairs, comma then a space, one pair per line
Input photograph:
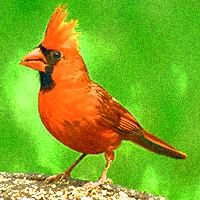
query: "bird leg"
67, 172
102, 179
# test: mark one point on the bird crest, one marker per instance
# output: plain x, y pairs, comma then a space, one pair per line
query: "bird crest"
61, 34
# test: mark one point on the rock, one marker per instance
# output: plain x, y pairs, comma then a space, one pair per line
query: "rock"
31, 186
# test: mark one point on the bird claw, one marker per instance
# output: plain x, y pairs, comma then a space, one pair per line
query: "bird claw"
92, 185
57, 177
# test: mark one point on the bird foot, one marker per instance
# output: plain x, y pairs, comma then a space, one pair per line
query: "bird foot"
91, 185
57, 177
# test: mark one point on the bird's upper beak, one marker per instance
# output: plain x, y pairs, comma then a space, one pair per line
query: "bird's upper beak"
35, 60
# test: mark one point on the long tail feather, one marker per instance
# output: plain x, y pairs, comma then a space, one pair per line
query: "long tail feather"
155, 144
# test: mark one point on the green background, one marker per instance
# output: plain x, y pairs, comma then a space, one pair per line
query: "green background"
145, 54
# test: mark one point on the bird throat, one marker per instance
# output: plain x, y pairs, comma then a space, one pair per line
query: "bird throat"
46, 81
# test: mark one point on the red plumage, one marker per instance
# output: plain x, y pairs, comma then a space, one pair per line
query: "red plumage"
77, 111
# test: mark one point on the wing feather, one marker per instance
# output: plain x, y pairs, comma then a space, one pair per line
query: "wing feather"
114, 115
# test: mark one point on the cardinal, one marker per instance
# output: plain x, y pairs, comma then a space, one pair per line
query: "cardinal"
77, 111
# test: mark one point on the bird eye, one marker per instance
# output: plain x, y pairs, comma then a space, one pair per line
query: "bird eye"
57, 55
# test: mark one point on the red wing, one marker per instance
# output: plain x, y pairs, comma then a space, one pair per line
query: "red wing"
112, 114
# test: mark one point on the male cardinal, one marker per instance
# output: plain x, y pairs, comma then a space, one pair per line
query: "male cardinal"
77, 111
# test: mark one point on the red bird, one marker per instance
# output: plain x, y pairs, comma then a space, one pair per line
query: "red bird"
77, 111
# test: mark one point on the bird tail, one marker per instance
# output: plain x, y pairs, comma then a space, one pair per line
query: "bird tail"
155, 144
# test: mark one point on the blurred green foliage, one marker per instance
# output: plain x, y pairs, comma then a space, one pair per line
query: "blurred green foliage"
144, 53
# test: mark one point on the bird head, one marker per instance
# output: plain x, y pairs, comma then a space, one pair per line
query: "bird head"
57, 57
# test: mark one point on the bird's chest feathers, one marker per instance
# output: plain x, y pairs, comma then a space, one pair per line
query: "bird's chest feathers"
66, 104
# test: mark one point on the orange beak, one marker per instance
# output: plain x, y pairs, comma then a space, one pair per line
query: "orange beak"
35, 60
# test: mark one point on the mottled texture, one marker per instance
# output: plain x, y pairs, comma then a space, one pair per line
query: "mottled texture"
32, 186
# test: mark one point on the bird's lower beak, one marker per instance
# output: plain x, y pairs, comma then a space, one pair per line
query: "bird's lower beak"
35, 60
